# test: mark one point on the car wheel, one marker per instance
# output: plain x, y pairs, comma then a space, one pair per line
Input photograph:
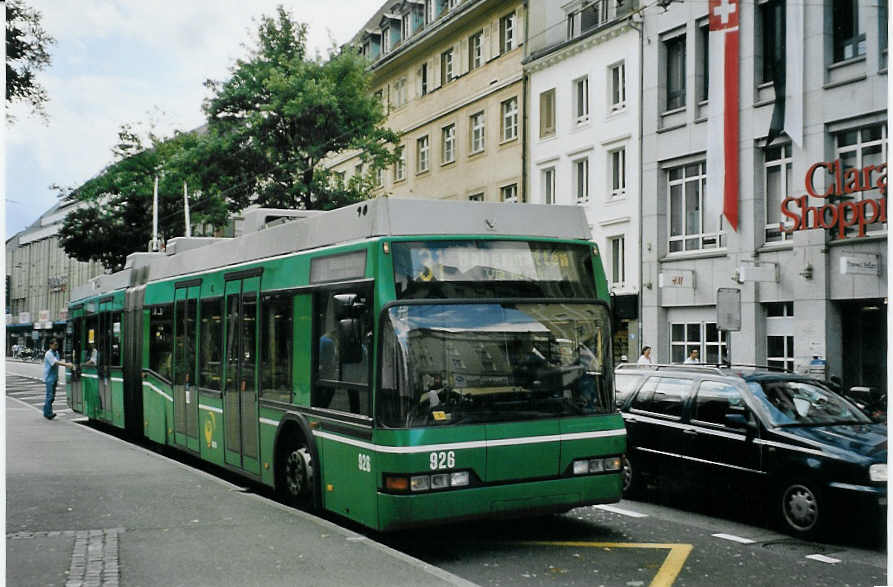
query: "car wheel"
630, 477
801, 510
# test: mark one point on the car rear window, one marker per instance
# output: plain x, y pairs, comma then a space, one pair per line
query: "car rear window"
663, 395
625, 384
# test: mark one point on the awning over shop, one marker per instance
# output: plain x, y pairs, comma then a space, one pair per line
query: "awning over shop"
25, 326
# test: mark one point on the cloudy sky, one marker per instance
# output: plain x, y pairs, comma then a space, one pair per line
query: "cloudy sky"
135, 61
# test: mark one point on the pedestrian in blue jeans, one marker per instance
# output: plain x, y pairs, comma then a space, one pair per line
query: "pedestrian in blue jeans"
51, 364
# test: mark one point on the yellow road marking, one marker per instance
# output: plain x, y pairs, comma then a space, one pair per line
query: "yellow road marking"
668, 571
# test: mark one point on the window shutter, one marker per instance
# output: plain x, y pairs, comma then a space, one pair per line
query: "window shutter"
519, 28
460, 61
494, 39
485, 45
434, 69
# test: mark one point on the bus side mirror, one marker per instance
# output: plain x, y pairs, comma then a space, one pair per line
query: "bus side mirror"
348, 305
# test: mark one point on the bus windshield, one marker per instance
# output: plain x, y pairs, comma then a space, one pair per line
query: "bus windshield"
489, 268
473, 363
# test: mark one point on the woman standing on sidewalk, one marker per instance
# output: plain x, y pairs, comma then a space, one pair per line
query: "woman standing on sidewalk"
51, 364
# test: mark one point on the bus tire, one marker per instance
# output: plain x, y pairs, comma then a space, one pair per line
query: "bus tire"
295, 473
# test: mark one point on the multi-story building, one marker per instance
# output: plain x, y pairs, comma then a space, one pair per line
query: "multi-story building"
582, 62
448, 73
39, 279
813, 291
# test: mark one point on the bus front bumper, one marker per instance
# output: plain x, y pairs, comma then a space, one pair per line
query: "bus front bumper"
525, 498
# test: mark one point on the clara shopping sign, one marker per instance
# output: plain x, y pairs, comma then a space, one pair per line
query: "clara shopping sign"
842, 210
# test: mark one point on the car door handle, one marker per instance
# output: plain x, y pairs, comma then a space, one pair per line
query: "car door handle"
690, 431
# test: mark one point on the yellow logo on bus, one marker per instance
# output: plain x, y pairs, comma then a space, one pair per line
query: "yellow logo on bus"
210, 424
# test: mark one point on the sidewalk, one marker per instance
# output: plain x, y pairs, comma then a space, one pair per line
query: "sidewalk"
87, 509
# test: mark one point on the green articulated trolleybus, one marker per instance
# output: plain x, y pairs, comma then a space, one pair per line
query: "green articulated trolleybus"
397, 362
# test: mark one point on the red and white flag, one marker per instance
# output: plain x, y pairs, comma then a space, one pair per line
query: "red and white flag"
722, 122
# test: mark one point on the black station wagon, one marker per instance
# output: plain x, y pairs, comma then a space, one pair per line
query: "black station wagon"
788, 436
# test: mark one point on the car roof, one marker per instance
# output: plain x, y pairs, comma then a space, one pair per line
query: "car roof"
745, 372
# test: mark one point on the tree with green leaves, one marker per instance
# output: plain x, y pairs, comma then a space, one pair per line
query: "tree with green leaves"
116, 216
274, 121
27, 52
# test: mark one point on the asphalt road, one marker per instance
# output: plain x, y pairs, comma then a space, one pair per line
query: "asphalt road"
670, 538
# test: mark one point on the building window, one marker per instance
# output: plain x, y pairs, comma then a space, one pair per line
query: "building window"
771, 23
446, 67
703, 337
448, 144
386, 40
475, 51
594, 14
477, 132
581, 99
547, 113
581, 179
400, 166
857, 149
849, 41
509, 193
507, 33
780, 335
549, 185
401, 96
406, 28
618, 261
674, 51
476, 197
617, 158
618, 86
703, 67
379, 177
422, 149
777, 168
358, 170
423, 79
510, 119
690, 228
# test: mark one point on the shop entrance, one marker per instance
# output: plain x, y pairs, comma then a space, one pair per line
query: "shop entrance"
864, 343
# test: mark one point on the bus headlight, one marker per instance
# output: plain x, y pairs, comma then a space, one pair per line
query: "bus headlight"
597, 465
459, 478
420, 482
878, 472
581, 467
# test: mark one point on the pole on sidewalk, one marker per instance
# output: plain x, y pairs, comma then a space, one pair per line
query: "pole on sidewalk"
155, 217
186, 209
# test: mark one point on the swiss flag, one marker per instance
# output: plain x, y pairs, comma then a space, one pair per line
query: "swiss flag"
722, 122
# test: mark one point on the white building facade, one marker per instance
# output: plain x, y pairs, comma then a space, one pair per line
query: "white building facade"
583, 68
813, 293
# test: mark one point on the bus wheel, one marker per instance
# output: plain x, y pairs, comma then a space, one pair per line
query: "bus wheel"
296, 478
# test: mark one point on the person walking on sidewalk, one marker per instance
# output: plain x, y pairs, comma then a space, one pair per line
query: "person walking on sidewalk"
51, 364
645, 358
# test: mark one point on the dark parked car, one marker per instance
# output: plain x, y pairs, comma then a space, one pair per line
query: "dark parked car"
811, 451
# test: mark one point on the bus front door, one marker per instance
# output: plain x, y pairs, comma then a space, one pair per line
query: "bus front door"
240, 374
185, 387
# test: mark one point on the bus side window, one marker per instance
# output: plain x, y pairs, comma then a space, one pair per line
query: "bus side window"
161, 339
343, 326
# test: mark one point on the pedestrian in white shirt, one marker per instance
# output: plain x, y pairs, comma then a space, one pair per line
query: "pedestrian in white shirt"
645, 357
